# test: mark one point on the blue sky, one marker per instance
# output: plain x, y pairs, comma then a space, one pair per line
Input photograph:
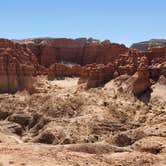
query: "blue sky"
122, 21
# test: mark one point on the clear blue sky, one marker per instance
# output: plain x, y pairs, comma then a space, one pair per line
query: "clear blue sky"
122, 21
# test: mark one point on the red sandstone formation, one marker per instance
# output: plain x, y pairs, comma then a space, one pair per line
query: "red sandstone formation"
16, 67
142, 65
95, 75
129, 62
102, 53
140, 81
94, 62
62, 70
50, 51
81, 51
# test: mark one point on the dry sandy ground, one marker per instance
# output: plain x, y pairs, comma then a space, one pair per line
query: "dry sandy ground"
62, 123
37, 155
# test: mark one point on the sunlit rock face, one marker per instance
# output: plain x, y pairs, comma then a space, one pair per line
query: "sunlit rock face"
79, 102
93, 61
81, 51
153, 43
17, 66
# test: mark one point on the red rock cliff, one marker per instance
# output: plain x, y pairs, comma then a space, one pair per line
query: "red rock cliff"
93, 61
17, 65
81, 51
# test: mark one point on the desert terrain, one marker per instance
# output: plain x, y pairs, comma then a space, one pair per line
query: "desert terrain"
59, 109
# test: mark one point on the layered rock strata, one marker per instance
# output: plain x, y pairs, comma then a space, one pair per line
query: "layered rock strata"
17, 66
93, 61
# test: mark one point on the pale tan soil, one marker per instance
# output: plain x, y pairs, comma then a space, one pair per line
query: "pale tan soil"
159, 92
37, 155
64, 124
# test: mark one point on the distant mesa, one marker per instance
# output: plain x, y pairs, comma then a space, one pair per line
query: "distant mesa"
153, 43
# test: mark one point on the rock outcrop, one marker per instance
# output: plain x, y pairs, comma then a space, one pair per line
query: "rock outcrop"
153, 43
140, 81
94, 75
81, 51
17, 66
130, 61
62, 70
82, 126
142, 66
93, 61
132, 84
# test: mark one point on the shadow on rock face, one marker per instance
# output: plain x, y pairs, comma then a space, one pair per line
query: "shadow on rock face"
145, 96
122, 140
